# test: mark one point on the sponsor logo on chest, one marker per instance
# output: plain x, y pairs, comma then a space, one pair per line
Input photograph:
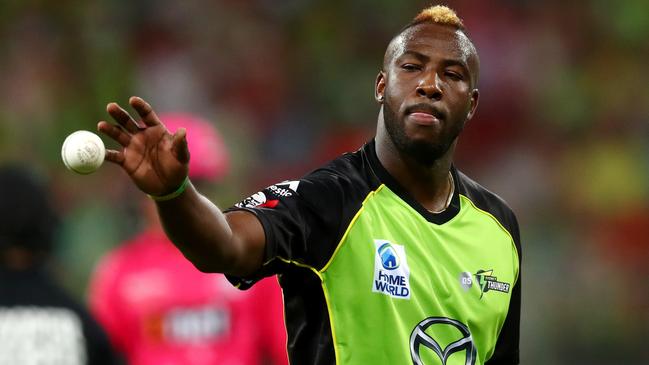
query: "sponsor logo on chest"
391, 271
485, 280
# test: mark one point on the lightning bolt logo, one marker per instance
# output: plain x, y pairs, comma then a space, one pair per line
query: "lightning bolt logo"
482, 281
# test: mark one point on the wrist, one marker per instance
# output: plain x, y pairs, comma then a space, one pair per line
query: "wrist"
176, 193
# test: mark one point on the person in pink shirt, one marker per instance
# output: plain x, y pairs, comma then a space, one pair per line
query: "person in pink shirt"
159, 309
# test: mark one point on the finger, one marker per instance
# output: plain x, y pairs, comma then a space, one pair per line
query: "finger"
122, 117
114, 132
144, 110
179, 145
115, 157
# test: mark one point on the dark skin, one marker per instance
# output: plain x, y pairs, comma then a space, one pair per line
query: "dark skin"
157, 162
426, 90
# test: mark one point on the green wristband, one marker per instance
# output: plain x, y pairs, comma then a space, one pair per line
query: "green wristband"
172, 195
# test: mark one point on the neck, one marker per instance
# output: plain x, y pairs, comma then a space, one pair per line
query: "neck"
428, 184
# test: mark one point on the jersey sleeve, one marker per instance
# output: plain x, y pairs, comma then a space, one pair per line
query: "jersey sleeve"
301, 221
507, 346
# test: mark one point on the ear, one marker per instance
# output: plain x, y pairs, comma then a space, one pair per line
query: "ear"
475, 96
379, 87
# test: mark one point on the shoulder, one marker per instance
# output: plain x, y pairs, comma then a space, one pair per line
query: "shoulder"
343, 179
487, 201
348, 171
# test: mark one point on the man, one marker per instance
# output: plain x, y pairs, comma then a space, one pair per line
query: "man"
158, 309
387, 255
40, 323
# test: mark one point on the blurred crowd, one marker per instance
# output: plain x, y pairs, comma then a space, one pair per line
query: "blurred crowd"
561, 132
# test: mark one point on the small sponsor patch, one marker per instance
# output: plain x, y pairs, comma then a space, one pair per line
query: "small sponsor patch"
391, 271
287, 187
202, 325
252, 201
269, 197
488, 282
466, 280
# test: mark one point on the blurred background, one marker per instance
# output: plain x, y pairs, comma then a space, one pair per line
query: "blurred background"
561, 131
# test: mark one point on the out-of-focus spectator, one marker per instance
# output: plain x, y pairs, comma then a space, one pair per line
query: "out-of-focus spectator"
39, 322
159, 309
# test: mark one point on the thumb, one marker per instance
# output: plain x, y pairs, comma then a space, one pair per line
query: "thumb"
179, 145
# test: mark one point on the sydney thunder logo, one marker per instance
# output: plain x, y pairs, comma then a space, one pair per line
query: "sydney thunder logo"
486, 282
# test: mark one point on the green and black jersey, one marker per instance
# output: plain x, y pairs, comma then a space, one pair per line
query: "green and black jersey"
371, 277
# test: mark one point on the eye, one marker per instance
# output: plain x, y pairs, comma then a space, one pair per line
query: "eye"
454, 75
410, 67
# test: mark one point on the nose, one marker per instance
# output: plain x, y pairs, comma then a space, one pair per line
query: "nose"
429, 87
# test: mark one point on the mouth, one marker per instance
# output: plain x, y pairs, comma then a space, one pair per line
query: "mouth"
424, 114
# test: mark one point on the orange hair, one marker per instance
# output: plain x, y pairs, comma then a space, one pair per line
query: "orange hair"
439, 14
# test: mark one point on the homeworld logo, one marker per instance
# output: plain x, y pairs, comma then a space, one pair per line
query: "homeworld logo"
391, 271
389, 258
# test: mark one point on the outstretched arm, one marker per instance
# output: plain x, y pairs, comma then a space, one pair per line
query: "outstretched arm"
158, 163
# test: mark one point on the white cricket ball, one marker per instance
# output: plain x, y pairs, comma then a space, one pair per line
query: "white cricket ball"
83, 152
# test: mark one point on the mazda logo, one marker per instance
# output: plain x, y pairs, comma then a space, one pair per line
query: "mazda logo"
420, 337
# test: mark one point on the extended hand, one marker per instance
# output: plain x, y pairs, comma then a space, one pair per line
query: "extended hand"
156, 160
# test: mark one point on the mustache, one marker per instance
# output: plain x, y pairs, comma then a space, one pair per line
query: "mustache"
426, 108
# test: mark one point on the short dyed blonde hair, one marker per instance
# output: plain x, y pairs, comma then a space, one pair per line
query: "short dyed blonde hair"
439, 14
444, 16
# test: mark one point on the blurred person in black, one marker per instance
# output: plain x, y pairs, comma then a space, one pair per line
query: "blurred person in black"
39, 322
387, 255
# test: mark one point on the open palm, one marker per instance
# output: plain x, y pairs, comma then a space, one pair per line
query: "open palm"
156, 160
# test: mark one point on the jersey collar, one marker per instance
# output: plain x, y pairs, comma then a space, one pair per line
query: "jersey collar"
384, 177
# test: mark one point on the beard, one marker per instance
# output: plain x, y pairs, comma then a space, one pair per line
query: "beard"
423, 152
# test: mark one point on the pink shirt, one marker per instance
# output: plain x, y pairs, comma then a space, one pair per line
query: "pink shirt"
158, 309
